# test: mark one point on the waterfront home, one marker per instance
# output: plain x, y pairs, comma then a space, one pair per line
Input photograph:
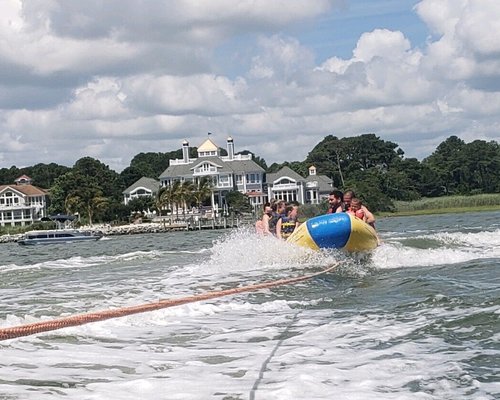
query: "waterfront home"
235, 172
143, 187
288, 185
22, 203
227, 173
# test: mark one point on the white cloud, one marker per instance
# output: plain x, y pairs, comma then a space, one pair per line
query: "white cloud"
112, 79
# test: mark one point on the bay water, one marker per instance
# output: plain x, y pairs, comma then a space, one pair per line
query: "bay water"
417, 318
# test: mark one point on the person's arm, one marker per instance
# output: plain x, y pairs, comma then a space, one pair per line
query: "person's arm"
278, 229
265, 224
370, 219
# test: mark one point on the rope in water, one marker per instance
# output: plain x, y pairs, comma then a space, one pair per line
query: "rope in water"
81, 319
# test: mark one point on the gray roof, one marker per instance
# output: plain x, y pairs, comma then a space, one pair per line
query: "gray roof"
285, 171
235, 166
148, 183
245, 166
325, 183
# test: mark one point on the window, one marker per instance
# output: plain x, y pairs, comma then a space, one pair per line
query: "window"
207, 153
205, 168
239, 179
224, 180
253, 178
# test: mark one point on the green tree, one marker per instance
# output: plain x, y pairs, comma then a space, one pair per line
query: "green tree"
237, 202
168, 195
340, 159
107, 180
9, 175
202, 191
367, 186
184, 195
258, 160
44, 175
446, 161
297, 166
480, 167
424, 179
142, 203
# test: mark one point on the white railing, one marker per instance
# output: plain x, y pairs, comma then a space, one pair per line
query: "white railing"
180, 161
204, 171
286, 186
237, 157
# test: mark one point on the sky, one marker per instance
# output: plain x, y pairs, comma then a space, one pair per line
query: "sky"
111, 79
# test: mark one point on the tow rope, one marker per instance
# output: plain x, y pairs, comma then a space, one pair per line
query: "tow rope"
81, 319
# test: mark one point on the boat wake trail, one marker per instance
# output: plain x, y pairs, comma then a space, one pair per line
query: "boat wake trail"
441, 248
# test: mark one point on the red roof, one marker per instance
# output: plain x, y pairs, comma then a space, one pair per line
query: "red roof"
28, 190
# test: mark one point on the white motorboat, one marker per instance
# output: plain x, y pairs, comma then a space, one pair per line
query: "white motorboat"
57, 236
63, 234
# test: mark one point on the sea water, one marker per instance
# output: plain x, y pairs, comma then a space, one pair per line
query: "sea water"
418, 318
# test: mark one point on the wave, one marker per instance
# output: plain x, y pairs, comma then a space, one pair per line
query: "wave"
439, 248
83, 262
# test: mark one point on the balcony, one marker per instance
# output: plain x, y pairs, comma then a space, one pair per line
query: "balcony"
205, 171
285, 186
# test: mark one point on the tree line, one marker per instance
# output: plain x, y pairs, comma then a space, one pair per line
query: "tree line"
375, 169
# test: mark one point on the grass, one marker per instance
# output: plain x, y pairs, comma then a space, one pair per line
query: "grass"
448, 204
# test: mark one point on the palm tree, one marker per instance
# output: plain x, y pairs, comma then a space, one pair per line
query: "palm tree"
95, 204
169, 196
160, 201
72, 204
202, 191
88, 201
185, 194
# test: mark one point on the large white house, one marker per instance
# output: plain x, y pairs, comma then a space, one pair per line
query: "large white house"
235, 172
228, 173
22, 203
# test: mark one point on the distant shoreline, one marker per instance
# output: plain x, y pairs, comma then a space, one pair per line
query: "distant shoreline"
451, 210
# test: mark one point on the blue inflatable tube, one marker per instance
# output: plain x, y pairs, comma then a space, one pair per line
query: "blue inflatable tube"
335, 231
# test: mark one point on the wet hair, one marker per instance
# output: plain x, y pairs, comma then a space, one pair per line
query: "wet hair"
338, 194
356, 201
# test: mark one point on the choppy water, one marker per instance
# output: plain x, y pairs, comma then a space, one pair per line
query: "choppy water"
418, 319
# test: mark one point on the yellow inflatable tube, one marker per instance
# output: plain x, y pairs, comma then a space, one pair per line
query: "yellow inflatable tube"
337, 231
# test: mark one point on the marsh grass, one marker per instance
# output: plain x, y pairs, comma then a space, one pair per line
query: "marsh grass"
448, 204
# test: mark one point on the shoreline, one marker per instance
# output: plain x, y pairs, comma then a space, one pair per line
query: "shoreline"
120, 230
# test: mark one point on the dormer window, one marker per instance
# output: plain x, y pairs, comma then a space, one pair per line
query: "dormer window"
205, 168
207, 153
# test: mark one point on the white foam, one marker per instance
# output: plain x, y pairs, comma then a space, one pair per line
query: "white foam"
453, 248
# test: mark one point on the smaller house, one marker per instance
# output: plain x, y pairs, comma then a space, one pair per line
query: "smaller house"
288, 185
143, 187
22, 203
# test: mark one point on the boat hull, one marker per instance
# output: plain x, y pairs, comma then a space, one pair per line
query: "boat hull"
58, 236
335, 231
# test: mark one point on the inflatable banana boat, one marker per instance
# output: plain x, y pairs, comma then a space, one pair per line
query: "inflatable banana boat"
335, 231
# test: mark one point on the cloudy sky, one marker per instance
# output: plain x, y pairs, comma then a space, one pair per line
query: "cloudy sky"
110, 79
